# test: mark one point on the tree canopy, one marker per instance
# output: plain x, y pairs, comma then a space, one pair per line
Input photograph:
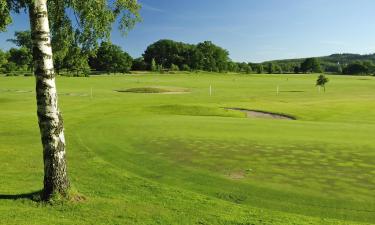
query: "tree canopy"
21, 57
311, 65
111, 58
203, 56
93, 19
168, 52
322, 81
22, 39
359, 68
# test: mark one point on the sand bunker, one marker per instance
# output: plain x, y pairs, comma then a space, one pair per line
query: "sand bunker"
237, 175
263, 114
155, 90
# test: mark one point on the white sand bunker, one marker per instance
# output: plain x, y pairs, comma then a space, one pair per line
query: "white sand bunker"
263, 114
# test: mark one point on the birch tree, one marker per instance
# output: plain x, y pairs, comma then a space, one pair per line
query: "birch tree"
92, 20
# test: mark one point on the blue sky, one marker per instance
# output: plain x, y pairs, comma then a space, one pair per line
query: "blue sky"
252, 30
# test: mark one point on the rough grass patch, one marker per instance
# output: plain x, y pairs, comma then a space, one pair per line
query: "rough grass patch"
232, 197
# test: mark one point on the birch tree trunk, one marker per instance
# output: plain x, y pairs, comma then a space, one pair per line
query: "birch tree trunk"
49, 118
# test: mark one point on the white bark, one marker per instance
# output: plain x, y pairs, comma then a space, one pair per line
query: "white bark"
49, 117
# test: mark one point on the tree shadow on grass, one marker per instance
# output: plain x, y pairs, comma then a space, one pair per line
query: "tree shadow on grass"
33, 196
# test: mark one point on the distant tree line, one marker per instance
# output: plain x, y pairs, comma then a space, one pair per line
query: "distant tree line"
73, 59
205, 56
70, 58
346, 64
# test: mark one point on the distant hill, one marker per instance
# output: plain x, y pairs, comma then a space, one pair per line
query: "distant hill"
331, 63
344, 58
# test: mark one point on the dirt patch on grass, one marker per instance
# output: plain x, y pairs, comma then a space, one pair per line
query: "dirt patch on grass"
237, 175
75, 94
78, 198
155, 90
264, 114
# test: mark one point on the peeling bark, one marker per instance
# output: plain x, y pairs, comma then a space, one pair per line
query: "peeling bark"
49, 117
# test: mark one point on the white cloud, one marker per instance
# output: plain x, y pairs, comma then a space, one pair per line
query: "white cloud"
151, 8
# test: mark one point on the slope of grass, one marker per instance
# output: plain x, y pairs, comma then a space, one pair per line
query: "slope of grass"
183, 159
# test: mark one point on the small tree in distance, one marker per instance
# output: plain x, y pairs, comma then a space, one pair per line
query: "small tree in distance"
322, 81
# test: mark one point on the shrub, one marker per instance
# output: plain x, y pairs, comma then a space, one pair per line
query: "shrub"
185, 68
174, 67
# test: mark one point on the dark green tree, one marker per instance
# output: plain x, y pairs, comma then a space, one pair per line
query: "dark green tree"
370, 66
259, 68
139, 64
322, 81
278, 69
244, 68
76, 62
112, 59
212, 57
311, 65
356, 68
296, 69
185, 67
62, 40
22, 57
270, 68
249, 69
233, 67
287, 67
203, 56
22, 39
10, 67
3, 60
168, 52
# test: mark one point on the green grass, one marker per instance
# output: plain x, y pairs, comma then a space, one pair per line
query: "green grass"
183, 159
